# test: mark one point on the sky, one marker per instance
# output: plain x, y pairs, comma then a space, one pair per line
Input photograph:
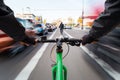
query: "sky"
53, 9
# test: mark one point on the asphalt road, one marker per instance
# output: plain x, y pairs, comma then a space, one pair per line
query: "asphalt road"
78, 65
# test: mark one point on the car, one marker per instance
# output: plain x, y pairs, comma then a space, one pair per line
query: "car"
37, 28
40, 29
8, 45
45, 30
5, 41
49, 27
26, 23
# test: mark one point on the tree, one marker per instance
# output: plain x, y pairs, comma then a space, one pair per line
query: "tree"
80, 20
70, 21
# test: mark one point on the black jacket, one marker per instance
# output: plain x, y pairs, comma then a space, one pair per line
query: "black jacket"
10, 25
61, 26
107, 20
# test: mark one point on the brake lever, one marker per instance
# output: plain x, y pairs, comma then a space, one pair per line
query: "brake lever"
75, 43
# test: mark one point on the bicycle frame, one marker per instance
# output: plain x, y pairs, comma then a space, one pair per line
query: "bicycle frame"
59, 71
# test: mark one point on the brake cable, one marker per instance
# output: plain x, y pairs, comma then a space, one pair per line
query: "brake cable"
63, 56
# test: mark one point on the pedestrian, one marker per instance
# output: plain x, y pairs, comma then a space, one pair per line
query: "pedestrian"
61, 26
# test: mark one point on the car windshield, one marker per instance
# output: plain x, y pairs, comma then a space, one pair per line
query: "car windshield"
25, 23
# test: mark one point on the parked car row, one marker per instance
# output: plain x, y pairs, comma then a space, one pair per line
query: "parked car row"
50, 27
40, 29
10, 47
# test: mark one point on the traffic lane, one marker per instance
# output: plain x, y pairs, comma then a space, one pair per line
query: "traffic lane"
107, 49
92, 60
78, 67
77, 33
11, 66
42, 70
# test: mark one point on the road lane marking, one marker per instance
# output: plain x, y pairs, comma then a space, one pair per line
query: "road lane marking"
27, 70
114, 74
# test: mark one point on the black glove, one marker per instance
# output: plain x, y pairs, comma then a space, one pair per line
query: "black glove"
29, 40
87, 39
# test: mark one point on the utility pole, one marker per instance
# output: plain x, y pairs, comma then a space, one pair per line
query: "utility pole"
82, 14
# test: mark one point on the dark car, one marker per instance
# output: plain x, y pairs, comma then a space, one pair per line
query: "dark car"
50, 27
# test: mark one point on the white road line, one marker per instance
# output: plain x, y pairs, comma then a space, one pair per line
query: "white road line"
27, 70
114, 74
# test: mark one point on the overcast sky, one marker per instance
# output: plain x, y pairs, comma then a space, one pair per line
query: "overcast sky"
53, 8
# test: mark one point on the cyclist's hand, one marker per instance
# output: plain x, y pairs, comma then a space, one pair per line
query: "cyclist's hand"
87, 39
29, 41
30, 33
75, 43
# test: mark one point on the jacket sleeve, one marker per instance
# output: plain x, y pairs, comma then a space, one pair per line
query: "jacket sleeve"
9, 24
107, 20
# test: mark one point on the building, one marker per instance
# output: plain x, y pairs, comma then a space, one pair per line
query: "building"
26, 16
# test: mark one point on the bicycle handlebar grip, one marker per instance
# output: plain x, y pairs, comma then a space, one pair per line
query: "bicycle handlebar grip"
45, 41
75, 42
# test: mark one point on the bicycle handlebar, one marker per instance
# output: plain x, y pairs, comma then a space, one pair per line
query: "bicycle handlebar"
72, 41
